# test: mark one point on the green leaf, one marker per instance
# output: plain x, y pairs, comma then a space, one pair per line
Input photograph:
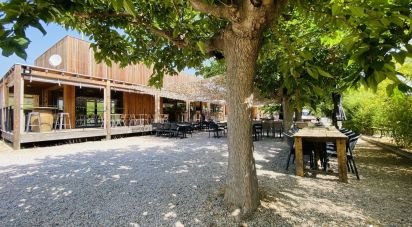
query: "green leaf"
336, 9
7, 52
129, 7
306, 55
22, 54
312, 74
22, 41
323, 73
202, 46
318, 91
379, 76
357, 11
37, 25
400, 57
117, 4
389, 89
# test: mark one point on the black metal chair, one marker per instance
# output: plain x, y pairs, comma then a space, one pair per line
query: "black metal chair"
215, 129
257, 131
307, 150
350, 160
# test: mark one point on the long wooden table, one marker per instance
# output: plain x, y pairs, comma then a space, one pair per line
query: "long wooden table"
322, 135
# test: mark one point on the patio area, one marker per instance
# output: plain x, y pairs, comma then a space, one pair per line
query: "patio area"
158, 181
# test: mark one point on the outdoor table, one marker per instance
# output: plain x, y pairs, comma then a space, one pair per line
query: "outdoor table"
322, 135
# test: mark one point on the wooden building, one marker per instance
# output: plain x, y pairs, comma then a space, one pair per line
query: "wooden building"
80, 98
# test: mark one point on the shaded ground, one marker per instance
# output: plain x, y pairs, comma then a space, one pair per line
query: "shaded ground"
152, 181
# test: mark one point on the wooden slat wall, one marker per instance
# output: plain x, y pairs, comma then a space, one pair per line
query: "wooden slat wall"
79, 58
138, 103
58, 48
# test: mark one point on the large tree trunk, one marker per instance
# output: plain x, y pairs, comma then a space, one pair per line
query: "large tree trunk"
287, 114
242, 184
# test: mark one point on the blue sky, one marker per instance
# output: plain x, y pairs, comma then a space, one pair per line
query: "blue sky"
39, 44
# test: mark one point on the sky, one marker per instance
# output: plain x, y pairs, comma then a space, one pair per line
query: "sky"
39, 44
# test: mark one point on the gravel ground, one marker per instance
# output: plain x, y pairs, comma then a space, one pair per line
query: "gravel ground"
153, 181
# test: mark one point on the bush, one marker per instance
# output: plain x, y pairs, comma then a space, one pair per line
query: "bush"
366, 109
399, 115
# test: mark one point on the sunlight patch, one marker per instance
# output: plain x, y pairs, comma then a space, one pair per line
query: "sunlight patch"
235, 212
169, 215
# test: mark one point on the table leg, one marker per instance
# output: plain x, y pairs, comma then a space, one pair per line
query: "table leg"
298, 156
341, 150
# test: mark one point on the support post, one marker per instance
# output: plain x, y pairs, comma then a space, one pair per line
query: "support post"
298, 156
209, 112
69, 103
18, 114
187, 111
157, 108
108, 110
4, 97
341, 152
6, 105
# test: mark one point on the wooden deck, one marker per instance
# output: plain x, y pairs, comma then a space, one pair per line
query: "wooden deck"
31, 137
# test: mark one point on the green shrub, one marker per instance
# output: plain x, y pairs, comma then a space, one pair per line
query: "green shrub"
366, 109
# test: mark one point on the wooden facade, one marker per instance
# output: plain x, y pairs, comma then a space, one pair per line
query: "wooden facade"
106, 92
78, 58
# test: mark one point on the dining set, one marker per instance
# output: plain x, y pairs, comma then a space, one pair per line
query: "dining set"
320, 145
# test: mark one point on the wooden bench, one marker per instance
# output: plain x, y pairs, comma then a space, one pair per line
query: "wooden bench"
383, 131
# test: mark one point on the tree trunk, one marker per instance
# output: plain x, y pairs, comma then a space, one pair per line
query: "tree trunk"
298, 114
287, 114
242, 184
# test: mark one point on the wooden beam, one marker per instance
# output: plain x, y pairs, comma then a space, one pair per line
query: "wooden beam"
298, 156
187, 111
18, 114
4, 96
341, 152
56, 76
157, 108
126, 103
107, 110
69, 103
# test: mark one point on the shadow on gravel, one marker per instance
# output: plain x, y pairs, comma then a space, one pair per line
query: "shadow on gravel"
172, 182
160, 184
378, 198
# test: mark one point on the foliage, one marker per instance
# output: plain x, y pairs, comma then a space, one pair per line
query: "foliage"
270, 109
211, 69
399, 116
392, 110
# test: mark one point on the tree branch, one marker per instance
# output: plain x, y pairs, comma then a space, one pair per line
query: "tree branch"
213, 46
228, 12
139, 20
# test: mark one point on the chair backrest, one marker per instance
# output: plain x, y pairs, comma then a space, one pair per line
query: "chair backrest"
173, 125
213, 125
289, 139
267, 124
352, 143
277, 124
257, 125
166, 125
